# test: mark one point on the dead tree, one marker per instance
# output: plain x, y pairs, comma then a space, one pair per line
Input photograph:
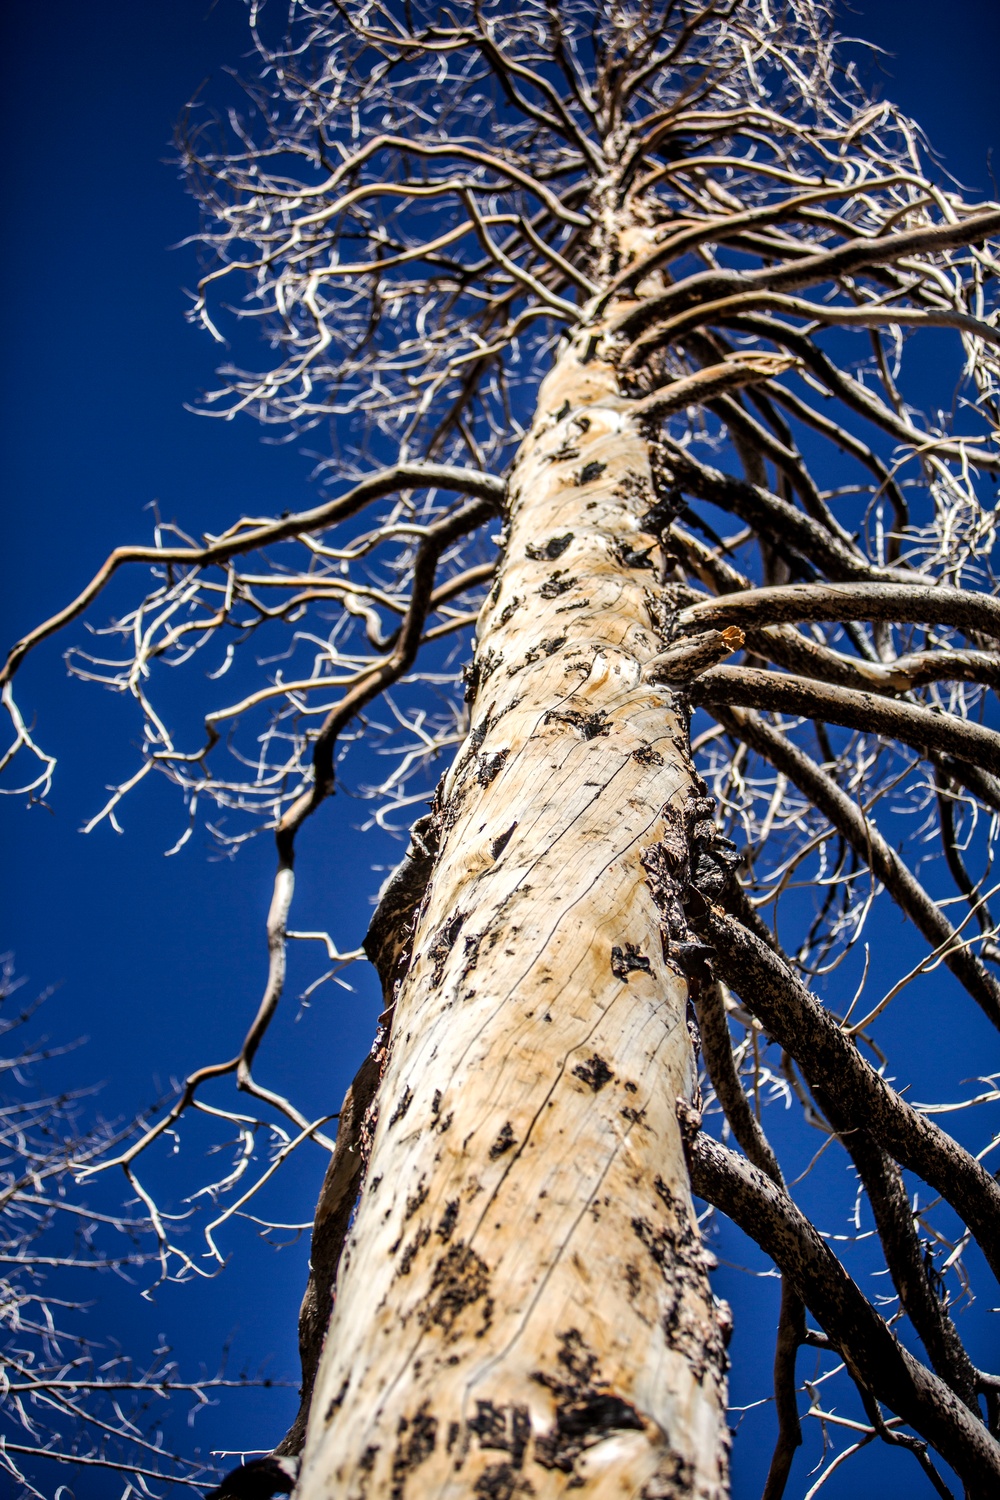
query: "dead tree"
634, 288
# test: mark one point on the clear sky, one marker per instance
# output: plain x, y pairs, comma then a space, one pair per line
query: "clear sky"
159, 961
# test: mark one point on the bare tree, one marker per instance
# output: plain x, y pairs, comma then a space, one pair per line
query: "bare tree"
639, 287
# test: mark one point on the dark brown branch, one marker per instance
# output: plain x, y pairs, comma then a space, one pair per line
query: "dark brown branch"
780, 692
953, 855
791, 1335
855, 395
875, 1358
859, 450
847, 818
771, 517
893, 1215
901, 603
799, 653
717, 1051
836, 1071
812, 270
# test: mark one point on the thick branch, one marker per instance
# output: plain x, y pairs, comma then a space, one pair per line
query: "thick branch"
769, 515
913, 725
875, 1358
847, 818
812, 270
835, 1069
901, 603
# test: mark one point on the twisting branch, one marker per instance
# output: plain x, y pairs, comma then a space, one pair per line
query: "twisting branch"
835, 1069
878, 1362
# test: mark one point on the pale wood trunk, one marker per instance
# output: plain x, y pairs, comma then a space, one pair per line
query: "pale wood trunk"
523, 1305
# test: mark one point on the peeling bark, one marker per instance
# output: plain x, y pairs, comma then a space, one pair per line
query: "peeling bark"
523, 1302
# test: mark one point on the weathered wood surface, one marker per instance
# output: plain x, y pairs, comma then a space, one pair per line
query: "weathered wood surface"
523, 1306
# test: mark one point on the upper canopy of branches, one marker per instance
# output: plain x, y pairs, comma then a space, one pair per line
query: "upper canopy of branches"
418, 200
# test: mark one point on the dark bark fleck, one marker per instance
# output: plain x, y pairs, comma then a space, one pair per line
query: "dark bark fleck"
548, 551
508, 610
412, 1250
448, 1220
647, 756
557, 584
500, 843
415, 1200
504, 1142
628, 960
631, 557
461, 1278
402, 1106
490, 766
415, 1445
589, 725
590, 472
595, 1072
439, 949
502, 1482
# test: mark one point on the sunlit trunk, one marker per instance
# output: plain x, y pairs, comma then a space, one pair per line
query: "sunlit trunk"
523, 1306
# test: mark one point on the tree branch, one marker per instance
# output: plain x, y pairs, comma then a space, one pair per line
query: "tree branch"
875, 1358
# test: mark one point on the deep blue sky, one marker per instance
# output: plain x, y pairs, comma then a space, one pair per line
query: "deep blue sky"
160, 961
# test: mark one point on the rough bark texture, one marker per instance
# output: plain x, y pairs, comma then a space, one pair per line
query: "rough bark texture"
523, 1304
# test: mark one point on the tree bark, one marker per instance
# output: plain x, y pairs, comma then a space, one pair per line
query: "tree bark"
523, 1304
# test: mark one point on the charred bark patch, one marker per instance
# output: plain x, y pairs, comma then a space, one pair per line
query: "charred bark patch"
595, 1072
557, 583
589, 725
673, 1480
389, 940
490, 766
632, 1115
449, 1218
337, 1401
500, 843
461, 1279
506, 1428
587, 1410
663, 512
509, 610
628, 960
647, 756
405, 1101
502, 1482
548, 551
415, 1444
544, 648
472, 942
440, 947
415, 1200
412, 1250
631, 557
688, 1320
504, 1142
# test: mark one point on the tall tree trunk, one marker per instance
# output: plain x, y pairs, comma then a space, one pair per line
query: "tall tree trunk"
523, 1304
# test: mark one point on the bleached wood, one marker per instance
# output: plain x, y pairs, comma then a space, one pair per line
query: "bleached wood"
476, 1350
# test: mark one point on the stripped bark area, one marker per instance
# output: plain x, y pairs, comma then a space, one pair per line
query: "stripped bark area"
524, 1301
